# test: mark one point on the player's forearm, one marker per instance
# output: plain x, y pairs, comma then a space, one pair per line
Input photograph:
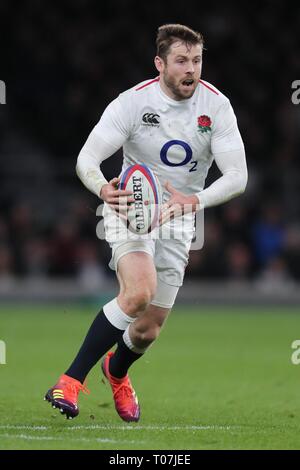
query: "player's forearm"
94, 151
90, 174
231, 184
225, 188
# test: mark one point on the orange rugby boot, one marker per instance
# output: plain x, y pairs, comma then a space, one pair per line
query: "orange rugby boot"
125, 398
64, 395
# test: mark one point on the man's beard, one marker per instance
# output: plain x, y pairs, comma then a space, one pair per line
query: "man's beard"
175, 88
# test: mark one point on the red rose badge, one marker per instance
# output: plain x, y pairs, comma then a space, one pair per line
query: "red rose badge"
204, 123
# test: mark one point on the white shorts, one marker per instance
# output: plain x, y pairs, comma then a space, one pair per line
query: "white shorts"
170, 258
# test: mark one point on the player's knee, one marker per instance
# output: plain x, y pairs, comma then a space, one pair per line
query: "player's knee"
143, 337
138, 300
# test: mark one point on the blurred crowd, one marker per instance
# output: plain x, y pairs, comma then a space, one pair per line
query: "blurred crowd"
238, 245
64, 62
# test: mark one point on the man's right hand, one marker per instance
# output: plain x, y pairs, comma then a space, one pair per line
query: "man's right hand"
117, 199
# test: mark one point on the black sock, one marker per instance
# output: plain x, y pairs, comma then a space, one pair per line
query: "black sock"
101, 336
122, 360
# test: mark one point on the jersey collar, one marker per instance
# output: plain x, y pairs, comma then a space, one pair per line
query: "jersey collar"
172, 102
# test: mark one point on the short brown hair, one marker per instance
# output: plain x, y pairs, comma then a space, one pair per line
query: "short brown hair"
167, 34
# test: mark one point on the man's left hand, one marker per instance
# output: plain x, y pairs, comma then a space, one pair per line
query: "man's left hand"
178, 204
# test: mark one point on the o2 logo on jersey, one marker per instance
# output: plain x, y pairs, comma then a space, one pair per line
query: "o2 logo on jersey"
185, 161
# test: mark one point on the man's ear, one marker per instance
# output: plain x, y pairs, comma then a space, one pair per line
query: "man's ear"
159, 63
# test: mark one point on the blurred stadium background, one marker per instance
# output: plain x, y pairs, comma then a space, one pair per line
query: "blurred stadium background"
63, 63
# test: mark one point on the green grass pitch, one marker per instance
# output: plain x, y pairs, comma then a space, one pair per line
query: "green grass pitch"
217, 378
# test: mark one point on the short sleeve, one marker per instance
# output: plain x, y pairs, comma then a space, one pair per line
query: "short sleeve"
226, 136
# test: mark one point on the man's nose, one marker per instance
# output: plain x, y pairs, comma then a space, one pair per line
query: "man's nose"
190, 67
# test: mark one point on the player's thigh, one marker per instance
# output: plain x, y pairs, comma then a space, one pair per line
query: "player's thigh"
171, 259
132, 256
136, 271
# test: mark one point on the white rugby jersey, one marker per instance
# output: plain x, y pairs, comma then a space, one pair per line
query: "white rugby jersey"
178, 140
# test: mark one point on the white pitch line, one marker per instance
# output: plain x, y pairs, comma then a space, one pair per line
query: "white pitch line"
152, 428
53, 438
30, 438
29, 428
126, 427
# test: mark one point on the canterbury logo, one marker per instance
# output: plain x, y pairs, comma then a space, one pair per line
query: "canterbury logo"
151, 119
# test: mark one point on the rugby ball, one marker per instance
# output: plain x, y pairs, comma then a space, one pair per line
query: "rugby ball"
143, 213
